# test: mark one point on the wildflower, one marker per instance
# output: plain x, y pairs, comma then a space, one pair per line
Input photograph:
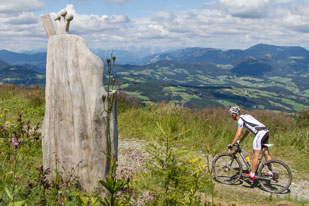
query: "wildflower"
202, 166
1, 115
8, 123
194, 161
14, 140
6, 110
196, 172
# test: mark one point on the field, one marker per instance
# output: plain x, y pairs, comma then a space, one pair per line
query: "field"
186, 131
202, 85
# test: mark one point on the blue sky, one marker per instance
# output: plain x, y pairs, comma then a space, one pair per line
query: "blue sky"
133, 8
159, 25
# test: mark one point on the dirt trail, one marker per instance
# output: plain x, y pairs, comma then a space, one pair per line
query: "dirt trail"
132, 157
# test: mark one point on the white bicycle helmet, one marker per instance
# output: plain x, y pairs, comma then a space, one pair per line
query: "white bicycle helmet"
234, 110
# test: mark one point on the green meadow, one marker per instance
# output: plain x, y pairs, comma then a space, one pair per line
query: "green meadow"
184, 130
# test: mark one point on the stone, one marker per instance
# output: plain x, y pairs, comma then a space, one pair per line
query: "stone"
76, 140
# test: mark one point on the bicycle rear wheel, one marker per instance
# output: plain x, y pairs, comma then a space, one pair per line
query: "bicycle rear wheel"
226, 168
275, 176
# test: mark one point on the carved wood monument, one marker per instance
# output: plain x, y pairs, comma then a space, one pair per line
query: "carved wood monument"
75, 129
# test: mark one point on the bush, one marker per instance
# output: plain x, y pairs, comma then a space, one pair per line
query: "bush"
302, 118
174, 176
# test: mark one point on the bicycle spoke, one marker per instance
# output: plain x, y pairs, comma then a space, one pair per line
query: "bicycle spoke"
275, 176
226, 169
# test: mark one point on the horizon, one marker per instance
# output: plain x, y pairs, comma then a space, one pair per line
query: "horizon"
30, 52
154, 27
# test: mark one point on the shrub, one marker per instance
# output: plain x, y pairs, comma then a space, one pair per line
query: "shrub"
302, 118
173, 176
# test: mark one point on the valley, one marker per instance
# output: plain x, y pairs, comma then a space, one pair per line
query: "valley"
261, 77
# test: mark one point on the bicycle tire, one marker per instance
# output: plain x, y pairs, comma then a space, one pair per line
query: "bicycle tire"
281, 178
224, 173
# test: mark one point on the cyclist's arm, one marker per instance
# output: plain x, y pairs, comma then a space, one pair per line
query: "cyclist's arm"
244, 136
237, 135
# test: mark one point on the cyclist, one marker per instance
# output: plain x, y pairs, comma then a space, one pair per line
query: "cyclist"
258, 129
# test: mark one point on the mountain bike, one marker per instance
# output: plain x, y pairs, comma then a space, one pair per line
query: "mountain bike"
273, 176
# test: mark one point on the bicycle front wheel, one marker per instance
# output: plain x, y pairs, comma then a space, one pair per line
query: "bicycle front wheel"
226, 168
275, 176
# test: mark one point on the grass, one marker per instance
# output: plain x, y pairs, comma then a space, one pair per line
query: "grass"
306, 92
225, 66
129, 79
139, 95
212, 128
297, 107
181, 71
226, 103
208, 130
247, 199
28, 101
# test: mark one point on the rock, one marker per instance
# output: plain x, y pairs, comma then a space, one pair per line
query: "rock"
75, 130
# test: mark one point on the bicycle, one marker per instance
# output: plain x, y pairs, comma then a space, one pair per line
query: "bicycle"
274, 176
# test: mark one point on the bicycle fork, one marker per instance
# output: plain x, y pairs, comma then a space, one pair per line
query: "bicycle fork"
228, 166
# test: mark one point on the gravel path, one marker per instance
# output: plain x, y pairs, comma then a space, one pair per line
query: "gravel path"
132, 158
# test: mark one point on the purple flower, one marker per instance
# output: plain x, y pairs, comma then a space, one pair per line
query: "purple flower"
14, 140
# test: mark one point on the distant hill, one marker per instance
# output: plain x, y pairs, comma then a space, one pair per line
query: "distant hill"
19, 75
187, 55
252, 67
21, 58
3, 64
262, 50
217, 56
260, 77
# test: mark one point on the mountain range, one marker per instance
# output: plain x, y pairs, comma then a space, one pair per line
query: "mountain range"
262, 76
187, 55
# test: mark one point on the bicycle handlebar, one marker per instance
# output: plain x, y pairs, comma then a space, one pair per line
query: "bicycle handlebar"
237, 145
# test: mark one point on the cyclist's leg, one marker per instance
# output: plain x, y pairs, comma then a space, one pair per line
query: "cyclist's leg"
266, 152
257, 148
267, 157
265, 149
256, 154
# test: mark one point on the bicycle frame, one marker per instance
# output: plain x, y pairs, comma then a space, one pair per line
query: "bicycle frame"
244, 160
272, 175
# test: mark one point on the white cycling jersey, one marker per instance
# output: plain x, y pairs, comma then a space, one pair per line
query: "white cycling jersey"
250, 123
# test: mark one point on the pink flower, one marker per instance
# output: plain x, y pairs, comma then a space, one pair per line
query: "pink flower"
14, 140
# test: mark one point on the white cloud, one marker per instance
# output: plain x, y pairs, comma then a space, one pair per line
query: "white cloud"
22, 18
86, 24
20, 29
278, 22
245, 8
15, 6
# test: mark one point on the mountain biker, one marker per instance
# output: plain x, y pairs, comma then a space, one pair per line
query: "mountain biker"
258, 129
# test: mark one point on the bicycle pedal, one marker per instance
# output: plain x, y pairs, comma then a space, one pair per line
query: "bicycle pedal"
275, 176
